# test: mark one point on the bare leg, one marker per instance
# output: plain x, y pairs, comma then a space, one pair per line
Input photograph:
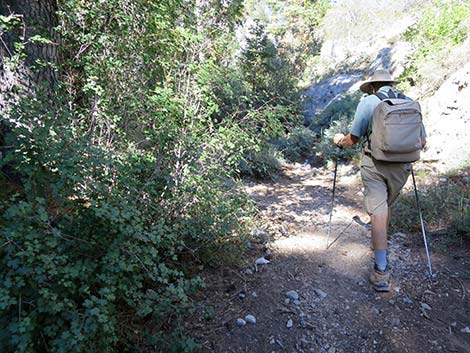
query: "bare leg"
379, 231
380, 277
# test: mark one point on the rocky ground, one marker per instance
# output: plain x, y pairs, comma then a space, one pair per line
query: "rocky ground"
312, 299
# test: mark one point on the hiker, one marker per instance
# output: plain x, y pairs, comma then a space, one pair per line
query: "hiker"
382, 180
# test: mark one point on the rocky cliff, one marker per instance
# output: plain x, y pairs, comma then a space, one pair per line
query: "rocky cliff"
447, 118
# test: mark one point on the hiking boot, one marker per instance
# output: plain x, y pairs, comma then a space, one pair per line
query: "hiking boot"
380, 280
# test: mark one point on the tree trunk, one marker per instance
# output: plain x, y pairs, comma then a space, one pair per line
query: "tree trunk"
19, 78
20, 75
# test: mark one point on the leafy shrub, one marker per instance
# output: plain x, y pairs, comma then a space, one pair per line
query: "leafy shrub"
94, 236
440, 27
124, 171
298, 144
265, 163
263, 159
86, 242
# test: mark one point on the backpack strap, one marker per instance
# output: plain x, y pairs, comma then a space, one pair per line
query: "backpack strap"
390, 95
381, 96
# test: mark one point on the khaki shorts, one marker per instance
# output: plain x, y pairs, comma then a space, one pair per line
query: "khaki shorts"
383, 182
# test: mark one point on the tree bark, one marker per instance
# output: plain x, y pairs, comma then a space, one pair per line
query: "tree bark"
38, 17
20, 76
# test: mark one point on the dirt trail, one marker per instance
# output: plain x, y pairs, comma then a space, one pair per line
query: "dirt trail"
337, 311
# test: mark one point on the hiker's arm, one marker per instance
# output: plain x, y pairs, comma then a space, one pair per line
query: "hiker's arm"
345, 141
360, 124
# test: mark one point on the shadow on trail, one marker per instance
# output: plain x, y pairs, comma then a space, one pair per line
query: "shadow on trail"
337, 308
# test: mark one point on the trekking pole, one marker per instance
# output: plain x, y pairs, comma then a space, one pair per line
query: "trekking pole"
339, 235
423, 229
332, 202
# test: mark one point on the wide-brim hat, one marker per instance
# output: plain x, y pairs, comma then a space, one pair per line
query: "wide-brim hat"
380, 75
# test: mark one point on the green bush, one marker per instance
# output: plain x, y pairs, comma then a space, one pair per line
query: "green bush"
342, 109
297, 146
263, 158
93, 238
262, 164
121, 177
85, 243
440, 27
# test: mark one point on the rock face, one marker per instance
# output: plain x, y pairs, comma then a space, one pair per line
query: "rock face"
319, 96
392, 58
327, 91
447, 121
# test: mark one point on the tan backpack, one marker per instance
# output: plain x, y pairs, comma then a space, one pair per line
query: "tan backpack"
397, 129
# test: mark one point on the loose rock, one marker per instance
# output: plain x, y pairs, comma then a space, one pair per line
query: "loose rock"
425, 306
407, 300
320, 293
259, 232
261, 261
465, 330
290, 323
241, 322
250, 319
400, 235
315, 171
292, 294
